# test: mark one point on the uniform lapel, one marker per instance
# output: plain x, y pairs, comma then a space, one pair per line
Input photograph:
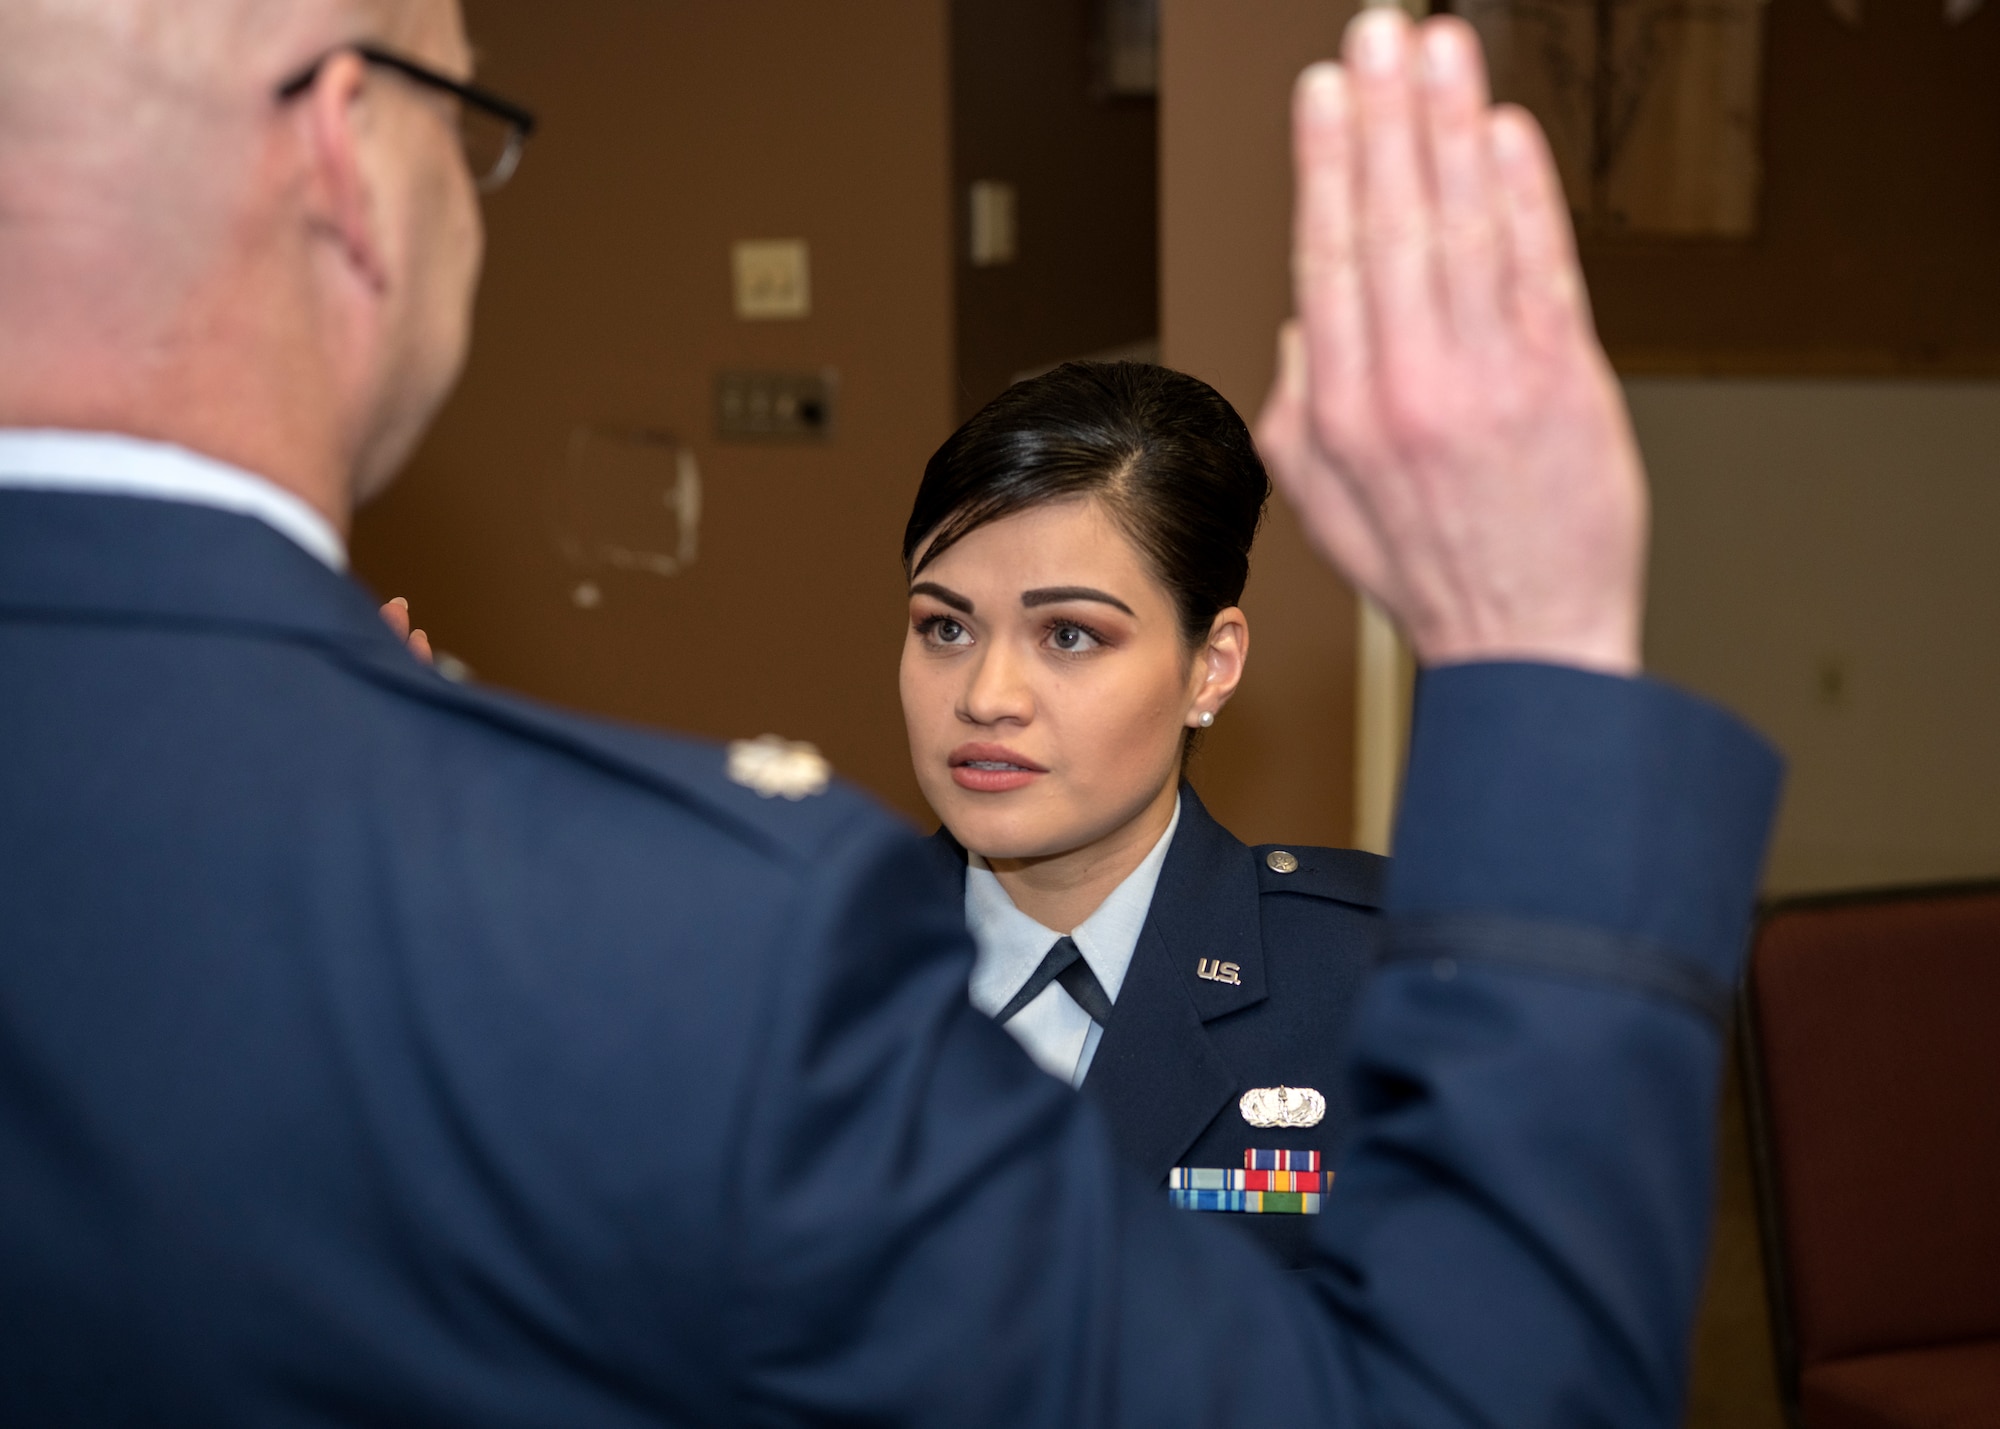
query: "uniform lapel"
1157, 1073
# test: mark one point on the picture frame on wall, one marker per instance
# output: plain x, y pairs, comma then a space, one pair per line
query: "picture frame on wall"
1128, 49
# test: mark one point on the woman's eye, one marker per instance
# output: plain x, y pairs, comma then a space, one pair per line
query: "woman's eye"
943, 630
1073, 639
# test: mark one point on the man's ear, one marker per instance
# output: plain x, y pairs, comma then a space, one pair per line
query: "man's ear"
341, 199
1220, 661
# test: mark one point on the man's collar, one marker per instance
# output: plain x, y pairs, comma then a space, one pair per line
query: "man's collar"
69, 555
107, 464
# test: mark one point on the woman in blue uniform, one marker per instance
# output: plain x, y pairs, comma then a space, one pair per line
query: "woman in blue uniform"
1076, 554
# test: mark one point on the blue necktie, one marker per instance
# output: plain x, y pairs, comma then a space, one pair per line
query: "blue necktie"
1065, 967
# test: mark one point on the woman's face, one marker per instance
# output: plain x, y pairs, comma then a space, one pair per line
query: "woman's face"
1046, 686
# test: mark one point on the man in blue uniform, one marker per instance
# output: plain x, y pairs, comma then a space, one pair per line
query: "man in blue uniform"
374, 1050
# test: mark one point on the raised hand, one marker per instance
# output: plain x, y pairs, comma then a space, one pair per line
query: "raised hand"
1444, 418
397, 613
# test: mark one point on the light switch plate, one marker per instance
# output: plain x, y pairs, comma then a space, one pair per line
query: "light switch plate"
773, 278
994, 228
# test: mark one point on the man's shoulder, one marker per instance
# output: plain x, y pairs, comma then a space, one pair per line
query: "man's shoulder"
778, 796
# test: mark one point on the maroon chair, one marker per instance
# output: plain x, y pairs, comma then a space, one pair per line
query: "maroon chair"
1871, 1034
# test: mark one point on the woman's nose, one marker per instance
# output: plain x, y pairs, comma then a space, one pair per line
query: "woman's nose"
996, 692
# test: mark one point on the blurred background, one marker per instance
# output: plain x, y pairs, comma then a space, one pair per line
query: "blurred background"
763, 256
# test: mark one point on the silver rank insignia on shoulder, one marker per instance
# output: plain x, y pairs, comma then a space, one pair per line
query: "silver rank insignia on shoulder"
779, 768
1282, 1106
1215, 970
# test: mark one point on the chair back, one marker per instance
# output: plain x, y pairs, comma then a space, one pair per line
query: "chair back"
1872, 1040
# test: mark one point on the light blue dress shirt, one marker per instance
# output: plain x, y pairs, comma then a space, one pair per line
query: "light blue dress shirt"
1057, 1033
107, 464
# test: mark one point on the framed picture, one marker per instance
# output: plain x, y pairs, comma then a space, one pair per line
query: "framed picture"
1128, 49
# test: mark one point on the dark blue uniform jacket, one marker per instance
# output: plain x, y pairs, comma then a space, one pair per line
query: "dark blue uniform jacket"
379, 1051
1182, 1049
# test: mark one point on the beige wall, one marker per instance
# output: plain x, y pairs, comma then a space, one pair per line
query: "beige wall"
1824, 563
672, 128
1280, 765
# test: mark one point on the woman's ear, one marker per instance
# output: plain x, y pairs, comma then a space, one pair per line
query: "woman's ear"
1218, 665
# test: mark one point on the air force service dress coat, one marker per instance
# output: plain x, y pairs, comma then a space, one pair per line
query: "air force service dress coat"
375, 1050
1246, 974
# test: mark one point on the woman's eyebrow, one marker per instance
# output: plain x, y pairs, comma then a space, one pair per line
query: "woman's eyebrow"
1056, 594
950, 597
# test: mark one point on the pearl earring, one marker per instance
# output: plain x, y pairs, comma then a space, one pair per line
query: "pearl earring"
1207, 718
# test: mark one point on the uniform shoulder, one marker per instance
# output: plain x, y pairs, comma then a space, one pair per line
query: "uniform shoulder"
1342, 875
777, 795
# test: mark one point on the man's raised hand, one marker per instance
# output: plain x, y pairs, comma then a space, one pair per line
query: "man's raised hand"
1444, 418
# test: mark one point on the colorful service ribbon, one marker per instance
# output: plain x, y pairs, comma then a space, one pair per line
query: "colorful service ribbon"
1215, 1178
1267, 1203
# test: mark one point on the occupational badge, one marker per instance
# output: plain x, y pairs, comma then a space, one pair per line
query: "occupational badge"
779, 768
1282, 1106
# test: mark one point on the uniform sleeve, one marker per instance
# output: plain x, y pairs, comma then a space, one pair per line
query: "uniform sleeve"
931, 1231
1521, 1221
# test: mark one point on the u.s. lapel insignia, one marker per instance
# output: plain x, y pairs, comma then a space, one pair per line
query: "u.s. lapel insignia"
778, 768
1282, 1106
1216, 970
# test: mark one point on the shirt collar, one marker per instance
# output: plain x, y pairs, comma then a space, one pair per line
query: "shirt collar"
1011, 944
107, 464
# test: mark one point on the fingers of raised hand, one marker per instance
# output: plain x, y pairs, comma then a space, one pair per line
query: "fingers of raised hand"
1395, 224
1325, 274
1444, 423
1313, 478
1548, 300
1459, 152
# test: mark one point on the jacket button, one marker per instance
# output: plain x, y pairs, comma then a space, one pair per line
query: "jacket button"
1281, 862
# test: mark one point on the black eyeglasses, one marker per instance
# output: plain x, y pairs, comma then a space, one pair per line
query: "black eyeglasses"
493, 130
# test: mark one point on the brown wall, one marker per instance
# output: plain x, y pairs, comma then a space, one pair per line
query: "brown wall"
1879, 219
1280, 763
1087, 170
672, 128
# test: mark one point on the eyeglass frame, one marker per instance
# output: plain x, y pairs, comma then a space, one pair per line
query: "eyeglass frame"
520, 121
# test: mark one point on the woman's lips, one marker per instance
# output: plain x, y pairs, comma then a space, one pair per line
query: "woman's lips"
992, 768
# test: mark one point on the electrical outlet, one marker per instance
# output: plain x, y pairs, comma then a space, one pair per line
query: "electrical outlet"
774, 406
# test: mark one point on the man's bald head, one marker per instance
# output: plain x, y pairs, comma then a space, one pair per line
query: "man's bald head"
163, 214
136, 112
104, 71
188, 44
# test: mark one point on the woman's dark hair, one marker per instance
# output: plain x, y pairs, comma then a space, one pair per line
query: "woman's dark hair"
1169, 458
